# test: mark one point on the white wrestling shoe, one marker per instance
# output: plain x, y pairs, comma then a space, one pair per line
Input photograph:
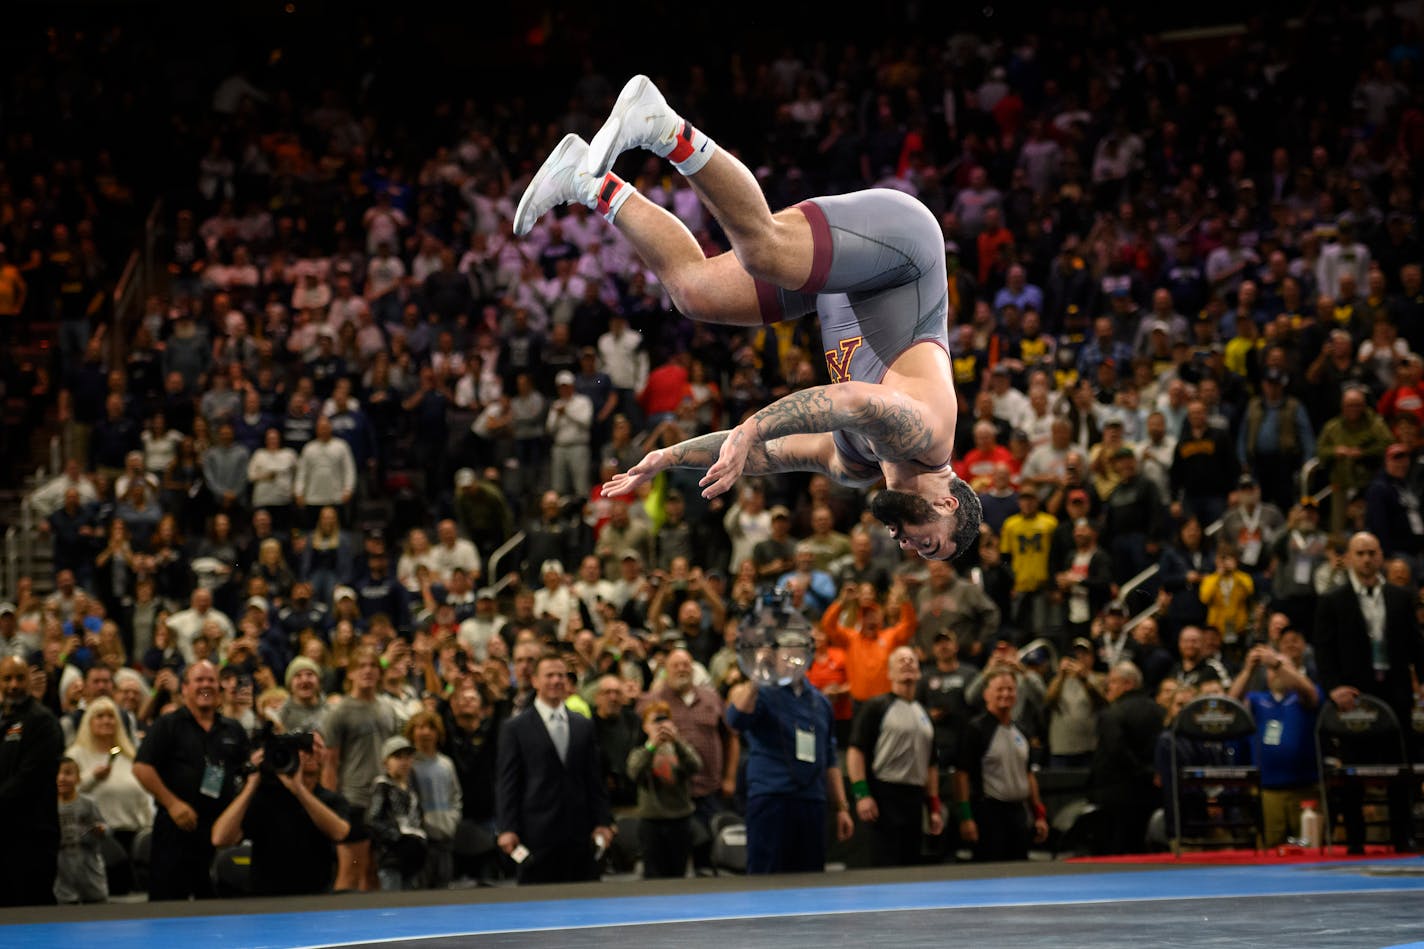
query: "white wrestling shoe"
560, 180
640, 118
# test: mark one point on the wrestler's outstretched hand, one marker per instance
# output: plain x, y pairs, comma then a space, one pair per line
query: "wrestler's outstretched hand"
723, 475
626, 483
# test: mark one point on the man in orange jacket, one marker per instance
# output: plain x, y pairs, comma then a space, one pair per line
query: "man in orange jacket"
868, 642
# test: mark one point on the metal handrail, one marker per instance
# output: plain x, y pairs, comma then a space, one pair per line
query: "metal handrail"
131, 291
1151, 611
1134, 583
26, 540
503, 583
12, 561
1311, 466
501, 552
127, 287
150, 239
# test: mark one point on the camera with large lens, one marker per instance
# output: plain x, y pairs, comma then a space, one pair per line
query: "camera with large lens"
281, 754
774, 642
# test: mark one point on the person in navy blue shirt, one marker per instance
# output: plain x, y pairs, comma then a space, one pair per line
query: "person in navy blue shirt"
1284, 746
790, 739
380, 592
251, 424
350, 423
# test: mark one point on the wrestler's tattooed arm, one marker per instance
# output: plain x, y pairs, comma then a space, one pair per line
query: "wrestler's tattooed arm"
816, 452
899, 427
897, 424
793, 453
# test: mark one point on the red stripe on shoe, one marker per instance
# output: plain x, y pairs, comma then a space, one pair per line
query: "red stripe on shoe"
607, 191
683, 149
769, 302
821, 247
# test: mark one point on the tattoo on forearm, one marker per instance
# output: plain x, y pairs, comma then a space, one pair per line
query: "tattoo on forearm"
899, 430
699, 452
765, 458
776, 455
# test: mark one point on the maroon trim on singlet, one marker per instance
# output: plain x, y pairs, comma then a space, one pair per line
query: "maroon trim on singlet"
769, 302
821, 247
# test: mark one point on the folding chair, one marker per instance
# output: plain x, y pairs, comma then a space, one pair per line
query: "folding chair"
1072, 817
1364, 765
626, 849
1215, 732
729, 843
232, 870
142, 854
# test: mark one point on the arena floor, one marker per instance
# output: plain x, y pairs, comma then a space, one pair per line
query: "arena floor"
1373, 903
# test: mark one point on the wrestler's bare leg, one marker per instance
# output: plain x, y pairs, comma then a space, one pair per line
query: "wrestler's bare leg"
775, 248
716, 290
710, 289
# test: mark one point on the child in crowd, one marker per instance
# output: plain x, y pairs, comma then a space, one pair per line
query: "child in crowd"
396, 821
439, 789
81, 877
663, 768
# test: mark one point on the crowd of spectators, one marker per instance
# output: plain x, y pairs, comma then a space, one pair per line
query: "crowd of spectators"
1177, 276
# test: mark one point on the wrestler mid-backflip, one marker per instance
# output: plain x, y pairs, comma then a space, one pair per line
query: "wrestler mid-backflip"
871, 263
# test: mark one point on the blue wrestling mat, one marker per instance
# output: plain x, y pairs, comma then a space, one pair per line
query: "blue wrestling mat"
1328, 904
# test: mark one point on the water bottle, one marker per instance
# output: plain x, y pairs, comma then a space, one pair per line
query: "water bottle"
1310, 825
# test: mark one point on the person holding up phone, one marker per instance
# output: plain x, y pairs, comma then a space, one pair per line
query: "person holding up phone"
662, 768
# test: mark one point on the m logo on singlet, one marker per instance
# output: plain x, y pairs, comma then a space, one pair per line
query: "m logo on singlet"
838, 361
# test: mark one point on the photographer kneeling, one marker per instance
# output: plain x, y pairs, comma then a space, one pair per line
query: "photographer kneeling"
293, 822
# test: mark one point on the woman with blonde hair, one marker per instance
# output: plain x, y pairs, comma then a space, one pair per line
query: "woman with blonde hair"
272, 567
269, 705
105, 755
418, 553
328, 558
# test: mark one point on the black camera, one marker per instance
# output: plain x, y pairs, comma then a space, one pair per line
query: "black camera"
281, 753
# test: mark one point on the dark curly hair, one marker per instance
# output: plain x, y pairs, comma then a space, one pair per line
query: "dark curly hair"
967, 519
898, 508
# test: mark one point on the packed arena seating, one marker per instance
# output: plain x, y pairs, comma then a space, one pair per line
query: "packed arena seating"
1188, 346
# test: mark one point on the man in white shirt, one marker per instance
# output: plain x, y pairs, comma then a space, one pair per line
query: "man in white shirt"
568, 423
453, 552
1156, 452
556, 600
1045, 468
346, 306
1010, 404
477, 631
187, 625
384, 273
591, 588
326, 470
620, 353
1226, 266
1342, 256
49, 497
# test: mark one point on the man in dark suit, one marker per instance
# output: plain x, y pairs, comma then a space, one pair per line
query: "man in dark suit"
551, 807
1367, 641
29, 758
1122, 763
